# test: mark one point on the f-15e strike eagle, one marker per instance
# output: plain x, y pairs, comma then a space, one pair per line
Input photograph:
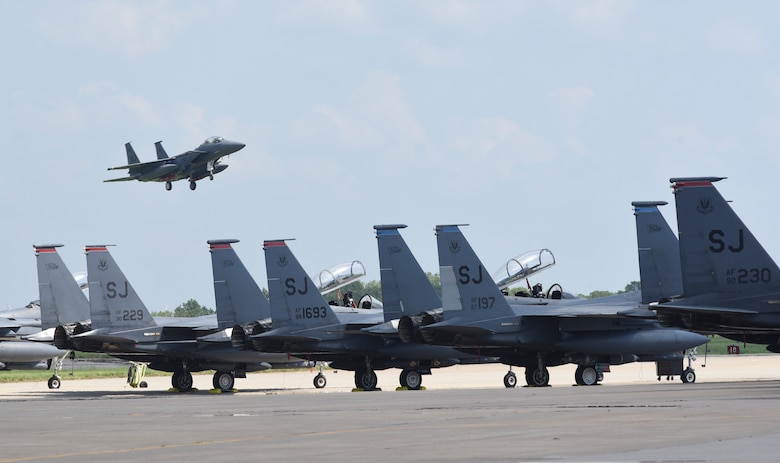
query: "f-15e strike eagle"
202, 162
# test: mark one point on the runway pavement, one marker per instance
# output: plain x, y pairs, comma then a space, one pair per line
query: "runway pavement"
732, 413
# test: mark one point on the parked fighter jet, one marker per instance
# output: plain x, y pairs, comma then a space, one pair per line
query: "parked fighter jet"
124, 328
537, 332
304, 324
730, 284
203, 161
237, 293
21, 347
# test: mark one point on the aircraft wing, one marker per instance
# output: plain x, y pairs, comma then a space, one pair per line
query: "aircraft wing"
284, 336
6, 323
452, 328
104, 338
197, 157
387, 328
144, 164
122, 179
703, 309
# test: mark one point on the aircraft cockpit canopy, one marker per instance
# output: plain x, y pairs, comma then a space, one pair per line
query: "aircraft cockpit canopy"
523, 266
212, 140
338, 276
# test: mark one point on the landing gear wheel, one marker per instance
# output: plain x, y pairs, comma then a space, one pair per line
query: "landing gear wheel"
182, 380
411, 379
688, 376
211, 176
55, 382
538, 377
366, 380
168, 186
320, 381
586, 375
224, 381
510, 379
193, 185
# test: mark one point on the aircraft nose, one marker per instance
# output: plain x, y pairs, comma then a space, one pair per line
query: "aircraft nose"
232, 146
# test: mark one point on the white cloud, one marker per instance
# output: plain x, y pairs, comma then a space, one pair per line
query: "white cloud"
501, 144
473, 13
126, 27
63, 115
375, 115
317, 11
730, 37
594, 12
435, 57
572, 101
192, 120
384, 100
324, 122
141, 107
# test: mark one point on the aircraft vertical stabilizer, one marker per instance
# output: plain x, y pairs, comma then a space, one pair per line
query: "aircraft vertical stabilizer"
468, 291
161, 154
238, 297
406, 289
62, 301
295, 299
718, 252
132, 158
659, 253
112, 300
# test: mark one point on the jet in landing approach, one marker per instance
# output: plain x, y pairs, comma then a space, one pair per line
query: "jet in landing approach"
202, 162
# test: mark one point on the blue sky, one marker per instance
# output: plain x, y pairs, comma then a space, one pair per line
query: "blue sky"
535, 122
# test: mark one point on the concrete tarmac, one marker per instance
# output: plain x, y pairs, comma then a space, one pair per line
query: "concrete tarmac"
731, 414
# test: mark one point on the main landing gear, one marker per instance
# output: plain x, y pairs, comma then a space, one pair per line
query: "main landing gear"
365, 379
587, 375
411, 379
224, 381
168, 186
182, 380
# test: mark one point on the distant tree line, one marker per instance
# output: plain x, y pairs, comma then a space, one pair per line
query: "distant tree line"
191, 308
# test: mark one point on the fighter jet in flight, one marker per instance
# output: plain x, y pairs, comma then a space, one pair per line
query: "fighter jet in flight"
535, 332
202, 162
730, 283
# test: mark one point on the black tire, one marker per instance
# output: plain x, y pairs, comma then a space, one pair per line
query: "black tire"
193, 185
365, 379
168, 186
143, 385
586, 375
510, 380
537, 377
182, 380
224, 381
55, 382
320, 381
688, 376
411, 379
